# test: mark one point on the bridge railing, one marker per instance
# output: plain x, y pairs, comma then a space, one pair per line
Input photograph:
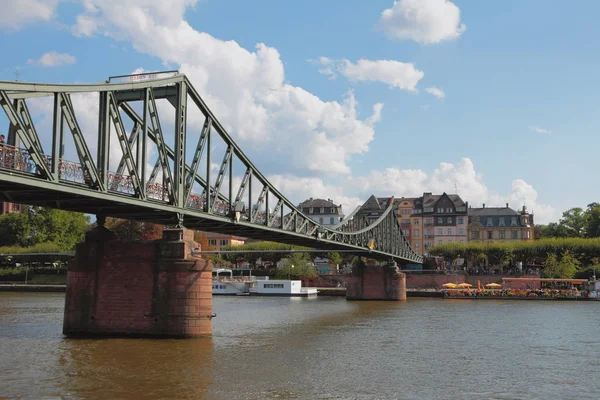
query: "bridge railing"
129, 111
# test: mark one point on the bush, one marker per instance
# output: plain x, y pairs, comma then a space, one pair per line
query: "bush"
12, 274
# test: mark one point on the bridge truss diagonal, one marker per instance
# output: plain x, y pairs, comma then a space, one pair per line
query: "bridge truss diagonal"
152, 159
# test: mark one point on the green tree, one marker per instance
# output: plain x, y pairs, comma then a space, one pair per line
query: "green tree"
297, 265
35, 225
593, 220
334, 258
575, 222
565, 268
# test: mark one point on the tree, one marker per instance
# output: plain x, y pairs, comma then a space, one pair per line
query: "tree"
565, 268
593, 220
298, 265
130, 231
334, 258
35, 225
575, 221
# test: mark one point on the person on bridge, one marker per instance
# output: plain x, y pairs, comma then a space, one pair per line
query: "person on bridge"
2, 141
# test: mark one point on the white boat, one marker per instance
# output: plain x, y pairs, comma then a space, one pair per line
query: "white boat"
225, 284
282, 288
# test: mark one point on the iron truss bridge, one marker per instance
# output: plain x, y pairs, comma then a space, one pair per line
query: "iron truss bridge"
138, 166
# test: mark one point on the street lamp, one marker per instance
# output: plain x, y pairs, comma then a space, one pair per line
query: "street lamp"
289, 273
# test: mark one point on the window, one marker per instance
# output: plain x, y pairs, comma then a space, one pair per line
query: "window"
417, 244
490, 222
513, 221
223, 242
320, 220
490, 235
526, 234
416, 222
501, 234
440, 220
501, 222
475, 235
448, 210
428, 209
440, 231
428, 244
461, 220
449, 231
405, 232
439, 242
417, 232
311, 210
461, 209
513, 234
461, 231
331, 221
405, 222
449, 220
333, 210
526, 221
273, 286
212, 242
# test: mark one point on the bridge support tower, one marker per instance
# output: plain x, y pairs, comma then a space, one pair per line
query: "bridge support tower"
376, 282
140, 289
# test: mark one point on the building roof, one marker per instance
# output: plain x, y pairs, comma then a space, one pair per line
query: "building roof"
492, 211
429, 200
318, 203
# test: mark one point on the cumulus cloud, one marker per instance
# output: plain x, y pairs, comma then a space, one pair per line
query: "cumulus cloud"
451, 178
15, 14
461, 178
393, 73
539, 129
424, 21
53, 59
439, 93
246, 89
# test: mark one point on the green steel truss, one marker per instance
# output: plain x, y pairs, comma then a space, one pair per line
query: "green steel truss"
175, 191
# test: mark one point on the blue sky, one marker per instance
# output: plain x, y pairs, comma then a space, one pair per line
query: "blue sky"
516, 124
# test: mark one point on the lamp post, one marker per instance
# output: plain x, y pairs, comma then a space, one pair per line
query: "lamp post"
289, 273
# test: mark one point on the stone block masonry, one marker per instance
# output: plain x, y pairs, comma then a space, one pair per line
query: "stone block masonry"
140, 289
376, 283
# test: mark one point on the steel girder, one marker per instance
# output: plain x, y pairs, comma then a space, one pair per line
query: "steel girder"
29, 176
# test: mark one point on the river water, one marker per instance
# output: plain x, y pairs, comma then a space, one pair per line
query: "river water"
321, 348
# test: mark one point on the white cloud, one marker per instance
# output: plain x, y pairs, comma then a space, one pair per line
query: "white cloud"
439, 93
450, 178
15, 14
461, 178
394, 73
538, 129
424, 21
245, 89
53, 59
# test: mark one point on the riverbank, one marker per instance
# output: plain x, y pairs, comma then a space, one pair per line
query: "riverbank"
32, 288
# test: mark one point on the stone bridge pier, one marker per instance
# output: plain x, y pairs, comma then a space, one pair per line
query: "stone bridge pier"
139, 289
376, 282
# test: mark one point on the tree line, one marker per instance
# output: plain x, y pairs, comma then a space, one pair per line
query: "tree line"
562, 257
574, 223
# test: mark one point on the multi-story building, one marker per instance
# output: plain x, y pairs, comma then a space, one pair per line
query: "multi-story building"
445, 219
425, 221
324, 212
6, 208
411, 221
499, 224
218, 240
